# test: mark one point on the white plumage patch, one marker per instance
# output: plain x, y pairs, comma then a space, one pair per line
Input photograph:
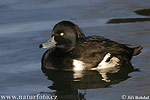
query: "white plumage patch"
112, 63
104, 66
78, 65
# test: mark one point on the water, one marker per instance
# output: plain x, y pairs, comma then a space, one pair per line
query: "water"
26, 24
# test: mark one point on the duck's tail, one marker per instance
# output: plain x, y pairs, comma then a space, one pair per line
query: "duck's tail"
137, 50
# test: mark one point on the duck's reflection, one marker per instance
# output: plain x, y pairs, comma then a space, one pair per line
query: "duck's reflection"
68, 83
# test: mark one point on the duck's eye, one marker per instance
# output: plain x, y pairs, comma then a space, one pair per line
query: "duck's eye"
62, 34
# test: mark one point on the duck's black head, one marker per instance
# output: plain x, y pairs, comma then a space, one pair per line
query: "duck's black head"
65, 35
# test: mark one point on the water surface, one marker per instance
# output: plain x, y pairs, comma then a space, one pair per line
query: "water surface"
26, 24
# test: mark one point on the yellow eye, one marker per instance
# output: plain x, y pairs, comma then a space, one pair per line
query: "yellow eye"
61, 34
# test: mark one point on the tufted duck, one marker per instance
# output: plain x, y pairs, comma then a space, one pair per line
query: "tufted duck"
74, 51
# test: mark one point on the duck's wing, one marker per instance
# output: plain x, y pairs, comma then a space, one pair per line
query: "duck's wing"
114, 46
94, 49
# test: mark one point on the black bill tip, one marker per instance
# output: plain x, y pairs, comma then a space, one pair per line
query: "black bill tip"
40, 46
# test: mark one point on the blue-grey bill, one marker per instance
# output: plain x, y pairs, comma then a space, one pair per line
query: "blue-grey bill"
49, 43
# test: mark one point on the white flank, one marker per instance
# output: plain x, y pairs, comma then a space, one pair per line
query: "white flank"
104, 65
78, 65
112, 63
78, 68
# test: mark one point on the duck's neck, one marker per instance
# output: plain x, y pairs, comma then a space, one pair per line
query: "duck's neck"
64, 50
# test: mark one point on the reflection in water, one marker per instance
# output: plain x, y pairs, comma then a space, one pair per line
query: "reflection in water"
68, 83
144, 12
127, 20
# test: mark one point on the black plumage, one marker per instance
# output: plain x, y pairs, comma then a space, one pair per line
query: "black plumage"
72, 44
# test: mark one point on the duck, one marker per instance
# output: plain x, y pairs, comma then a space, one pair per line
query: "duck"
70, 49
